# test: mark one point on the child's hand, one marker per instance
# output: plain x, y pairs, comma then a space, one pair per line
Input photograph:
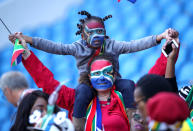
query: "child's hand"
27, 39
26, 53
169, 34
18, 35
13, 37
172, 33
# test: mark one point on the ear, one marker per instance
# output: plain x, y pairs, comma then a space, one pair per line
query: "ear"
5, 90
8, 90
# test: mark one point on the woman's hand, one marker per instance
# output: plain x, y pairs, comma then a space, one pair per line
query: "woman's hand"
170, 68
172, 55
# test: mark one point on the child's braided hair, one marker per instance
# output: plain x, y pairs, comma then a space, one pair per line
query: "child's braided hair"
89, 17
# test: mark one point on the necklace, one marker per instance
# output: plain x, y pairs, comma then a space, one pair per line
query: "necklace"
106, 102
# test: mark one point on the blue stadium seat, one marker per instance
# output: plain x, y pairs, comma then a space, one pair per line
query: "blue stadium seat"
181, 22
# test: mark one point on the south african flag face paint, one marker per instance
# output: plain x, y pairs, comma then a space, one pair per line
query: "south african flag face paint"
95, 33
102, 74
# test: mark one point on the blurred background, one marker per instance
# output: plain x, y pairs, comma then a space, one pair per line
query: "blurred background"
56, 21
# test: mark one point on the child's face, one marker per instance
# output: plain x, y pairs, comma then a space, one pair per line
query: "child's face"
101, 75
94, 33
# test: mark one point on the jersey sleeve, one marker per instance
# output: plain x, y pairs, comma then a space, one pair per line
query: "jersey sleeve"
44, 79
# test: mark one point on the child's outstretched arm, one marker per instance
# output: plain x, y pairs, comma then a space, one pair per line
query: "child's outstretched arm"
124, 47
47, 45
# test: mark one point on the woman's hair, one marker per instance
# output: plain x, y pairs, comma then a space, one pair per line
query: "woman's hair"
87, 19
152, 84
24, 109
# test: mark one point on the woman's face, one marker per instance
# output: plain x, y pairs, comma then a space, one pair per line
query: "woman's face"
140, 103
137, 122
101, 75
40, 105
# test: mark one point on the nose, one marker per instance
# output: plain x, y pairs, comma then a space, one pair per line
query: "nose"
43, 113
141, 121
96, 37
102, 78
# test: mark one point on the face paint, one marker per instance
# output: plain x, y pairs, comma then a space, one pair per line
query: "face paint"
95, 33
102, 74
94, 24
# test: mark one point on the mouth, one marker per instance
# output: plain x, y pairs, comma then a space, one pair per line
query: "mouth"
139, 126
102, 83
